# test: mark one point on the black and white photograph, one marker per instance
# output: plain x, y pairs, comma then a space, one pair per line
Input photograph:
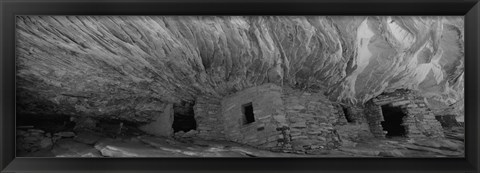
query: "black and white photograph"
239, 86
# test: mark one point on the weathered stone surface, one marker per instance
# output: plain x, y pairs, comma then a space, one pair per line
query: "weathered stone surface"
151, 146
456, 133
434, 150
71, 148
116, 148
208, 115
353, 132
119, 66
391, 153
166, 148
162, 125
440, 144
362, 152
280, 117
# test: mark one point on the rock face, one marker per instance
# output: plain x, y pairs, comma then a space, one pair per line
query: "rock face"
123, 67
162, 126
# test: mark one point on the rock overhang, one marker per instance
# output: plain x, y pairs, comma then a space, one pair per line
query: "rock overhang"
125, 67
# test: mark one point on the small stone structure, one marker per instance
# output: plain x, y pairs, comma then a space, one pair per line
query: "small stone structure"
418, 122
291, 120
209, 118
285, 119
269, 128
311, 119
282, 119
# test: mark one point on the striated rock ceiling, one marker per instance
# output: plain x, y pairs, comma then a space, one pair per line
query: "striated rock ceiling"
129, 66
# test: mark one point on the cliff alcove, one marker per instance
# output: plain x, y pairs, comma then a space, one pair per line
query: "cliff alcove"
180, 86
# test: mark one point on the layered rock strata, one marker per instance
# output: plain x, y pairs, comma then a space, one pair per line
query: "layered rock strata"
128, 67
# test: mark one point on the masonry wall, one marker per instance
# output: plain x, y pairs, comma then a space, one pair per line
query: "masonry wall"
269, 128
374, 116
311, 119
419, 122
209, 118
356, 114
352, 132
297, 121
285, 119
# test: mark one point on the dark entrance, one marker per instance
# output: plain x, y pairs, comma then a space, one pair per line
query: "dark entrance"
247, 110
183, 117
393, 117
347, 115
447, 121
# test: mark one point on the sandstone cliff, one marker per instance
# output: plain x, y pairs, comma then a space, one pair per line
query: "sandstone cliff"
127, 67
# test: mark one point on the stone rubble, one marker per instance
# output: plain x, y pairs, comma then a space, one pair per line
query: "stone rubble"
32, 140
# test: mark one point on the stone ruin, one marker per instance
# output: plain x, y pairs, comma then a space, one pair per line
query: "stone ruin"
212, 78
291, 120
402, 113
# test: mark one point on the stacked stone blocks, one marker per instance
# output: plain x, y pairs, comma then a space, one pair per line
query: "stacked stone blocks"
209, 118
420, 120
311, 118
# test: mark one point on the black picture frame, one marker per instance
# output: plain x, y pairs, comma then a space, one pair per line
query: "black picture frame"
9, 9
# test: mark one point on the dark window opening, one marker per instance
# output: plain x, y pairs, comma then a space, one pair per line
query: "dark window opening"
347, 115
447, 121
393, 123
184, 117
247, 110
